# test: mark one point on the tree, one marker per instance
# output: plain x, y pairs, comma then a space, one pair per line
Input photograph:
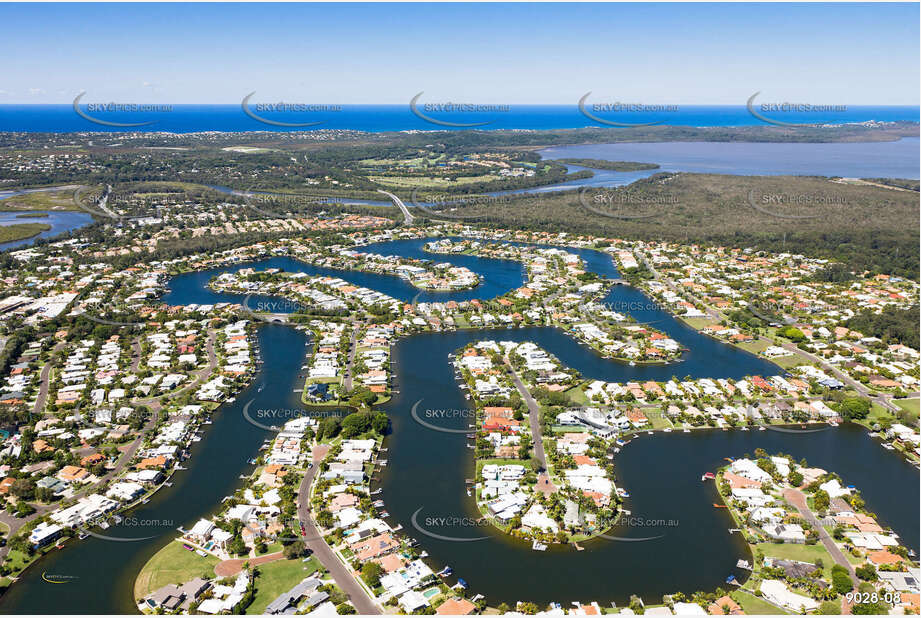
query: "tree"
294, 550
866, 572
821, 500
23, 488
841, 579
854, 408
371, 574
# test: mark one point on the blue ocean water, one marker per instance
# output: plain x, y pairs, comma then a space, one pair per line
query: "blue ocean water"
377, 118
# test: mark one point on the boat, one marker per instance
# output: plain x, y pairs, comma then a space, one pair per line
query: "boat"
461, 584
83, 535
719, 506
538, 546
888, 447
445, 572
760, 427
686, 431
743, 564
708, 476
468, 493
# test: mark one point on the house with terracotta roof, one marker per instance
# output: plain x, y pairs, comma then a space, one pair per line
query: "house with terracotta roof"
456, 607
73, 474
722, 604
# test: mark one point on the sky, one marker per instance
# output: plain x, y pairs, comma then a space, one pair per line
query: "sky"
682, 53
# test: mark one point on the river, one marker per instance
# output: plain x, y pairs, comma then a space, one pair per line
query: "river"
427, 468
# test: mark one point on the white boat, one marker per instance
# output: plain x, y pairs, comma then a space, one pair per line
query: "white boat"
538, 546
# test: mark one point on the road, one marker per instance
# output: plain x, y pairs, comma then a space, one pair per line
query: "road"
45, 378
544, 485
798, 500
406, 214
860, 388
323, 552
350, 364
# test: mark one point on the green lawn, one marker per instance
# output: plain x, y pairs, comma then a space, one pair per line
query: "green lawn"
909, 405
802, 553
754, 605
698, 323
278, 577
577, 395
172, 565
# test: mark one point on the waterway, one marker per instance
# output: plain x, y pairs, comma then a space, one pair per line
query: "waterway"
426, 471
60, 222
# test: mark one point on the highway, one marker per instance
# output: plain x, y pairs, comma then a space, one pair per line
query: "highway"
406, 214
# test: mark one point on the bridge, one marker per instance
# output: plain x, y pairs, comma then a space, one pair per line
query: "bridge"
408, 218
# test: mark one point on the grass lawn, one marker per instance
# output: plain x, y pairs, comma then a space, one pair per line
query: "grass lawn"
172, 565
754, 605
278, 577
877, 413
803, 553
17, 561
755, 347
909, 405
697, 323
577, 395
658, 419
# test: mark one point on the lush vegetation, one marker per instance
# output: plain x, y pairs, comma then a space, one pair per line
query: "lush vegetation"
891, 325
615, 166
18, 231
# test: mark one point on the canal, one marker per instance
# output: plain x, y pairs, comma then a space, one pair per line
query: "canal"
424, 481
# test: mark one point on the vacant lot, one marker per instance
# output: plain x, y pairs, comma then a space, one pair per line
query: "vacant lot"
172, 565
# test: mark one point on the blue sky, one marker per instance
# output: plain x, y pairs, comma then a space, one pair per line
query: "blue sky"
850, 54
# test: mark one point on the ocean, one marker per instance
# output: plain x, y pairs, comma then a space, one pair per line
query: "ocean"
378, 118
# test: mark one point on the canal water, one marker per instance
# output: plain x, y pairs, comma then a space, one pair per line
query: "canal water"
688, 545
